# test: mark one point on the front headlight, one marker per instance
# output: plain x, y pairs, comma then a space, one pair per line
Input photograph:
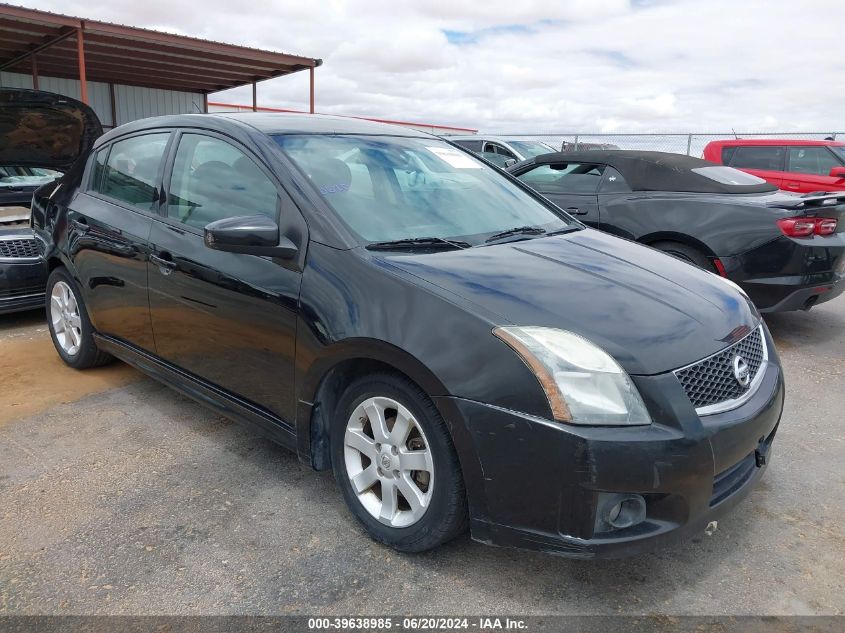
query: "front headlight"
583, 384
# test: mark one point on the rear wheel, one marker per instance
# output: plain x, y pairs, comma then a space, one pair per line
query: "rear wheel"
686, 253
395, 464
69, 325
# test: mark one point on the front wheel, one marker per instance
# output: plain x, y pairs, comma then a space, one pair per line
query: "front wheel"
70, 328
395, 464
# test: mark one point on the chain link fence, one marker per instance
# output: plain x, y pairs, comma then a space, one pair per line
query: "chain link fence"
691, 143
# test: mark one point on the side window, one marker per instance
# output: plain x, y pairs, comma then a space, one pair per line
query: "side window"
811, 160
99, 169
474, 146
564, 178
614, 182
768, 157
728, 155
132, 169
498, 149
496, 159
213, 179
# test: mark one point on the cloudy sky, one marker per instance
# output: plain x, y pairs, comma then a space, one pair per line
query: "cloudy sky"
534, 65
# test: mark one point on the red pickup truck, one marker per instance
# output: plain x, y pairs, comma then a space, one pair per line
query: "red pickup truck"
793, 165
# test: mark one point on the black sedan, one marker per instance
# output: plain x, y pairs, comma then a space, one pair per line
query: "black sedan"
391, 307
786, 251
41, 134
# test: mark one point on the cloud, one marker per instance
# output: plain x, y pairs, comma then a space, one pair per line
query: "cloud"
533, 65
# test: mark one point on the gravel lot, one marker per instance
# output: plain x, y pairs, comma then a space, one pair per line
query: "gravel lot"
119, 496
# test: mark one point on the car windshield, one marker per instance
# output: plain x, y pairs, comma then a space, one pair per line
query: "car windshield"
839, 150
13, 176
729, 176
530, 149
396, 188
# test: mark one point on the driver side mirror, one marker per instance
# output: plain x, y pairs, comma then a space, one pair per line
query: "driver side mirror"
251, 234
510, 162
837, 172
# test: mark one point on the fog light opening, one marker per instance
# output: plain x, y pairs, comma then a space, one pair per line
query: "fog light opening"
628, 511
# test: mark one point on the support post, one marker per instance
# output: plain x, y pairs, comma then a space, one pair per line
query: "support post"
205, 102
689, 144
113, 103
80, 49
255, 96
311, 76
34, 71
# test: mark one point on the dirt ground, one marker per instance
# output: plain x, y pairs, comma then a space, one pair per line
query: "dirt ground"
119, 496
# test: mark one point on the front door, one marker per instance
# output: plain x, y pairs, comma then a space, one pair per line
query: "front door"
109, 226
809, 170
571, 186
227, 318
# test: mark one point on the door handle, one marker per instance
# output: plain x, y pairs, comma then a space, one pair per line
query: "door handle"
793, 185
165, 266
80, 225
575, 211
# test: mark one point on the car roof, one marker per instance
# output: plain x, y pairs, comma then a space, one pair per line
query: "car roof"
487, 137
738, 142
269, 123
651, 171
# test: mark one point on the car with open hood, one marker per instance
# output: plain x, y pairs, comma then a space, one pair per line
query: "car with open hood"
458, 350
786, 251
41, 135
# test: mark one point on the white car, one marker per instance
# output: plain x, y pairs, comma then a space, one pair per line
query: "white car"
500, 151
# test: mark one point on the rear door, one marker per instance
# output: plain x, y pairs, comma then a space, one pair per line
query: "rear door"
571, 186
764, 161
109, 224
809, 170
227, 318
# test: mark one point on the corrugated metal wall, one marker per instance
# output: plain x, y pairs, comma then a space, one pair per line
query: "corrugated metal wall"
131, 102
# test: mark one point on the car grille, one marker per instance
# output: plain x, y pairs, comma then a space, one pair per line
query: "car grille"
19, 248
711, 382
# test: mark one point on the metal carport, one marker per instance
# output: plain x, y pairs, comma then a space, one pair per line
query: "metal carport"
45, 45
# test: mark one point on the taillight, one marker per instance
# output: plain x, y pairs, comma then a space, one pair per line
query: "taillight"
826, 226
797, 227
805, 227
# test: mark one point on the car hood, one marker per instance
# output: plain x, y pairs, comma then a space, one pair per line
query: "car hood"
43, 129
650, 311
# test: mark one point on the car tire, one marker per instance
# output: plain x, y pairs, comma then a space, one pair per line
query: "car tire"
409, 509
69, 325
685, 253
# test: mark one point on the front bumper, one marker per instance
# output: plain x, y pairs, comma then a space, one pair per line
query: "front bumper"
541, 483
22, 285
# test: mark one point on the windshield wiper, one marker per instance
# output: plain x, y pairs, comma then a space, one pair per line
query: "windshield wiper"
417, 242
566, 229
519, 230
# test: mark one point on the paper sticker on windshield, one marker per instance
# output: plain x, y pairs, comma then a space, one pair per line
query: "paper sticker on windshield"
455, 157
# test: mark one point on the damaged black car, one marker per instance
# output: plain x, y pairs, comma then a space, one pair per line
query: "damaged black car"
459, 351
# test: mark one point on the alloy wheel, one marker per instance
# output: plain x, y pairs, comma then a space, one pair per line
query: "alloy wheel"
389, 462
65, 318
